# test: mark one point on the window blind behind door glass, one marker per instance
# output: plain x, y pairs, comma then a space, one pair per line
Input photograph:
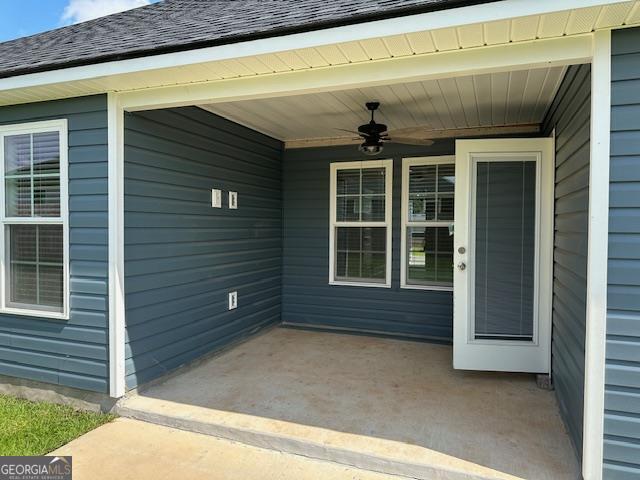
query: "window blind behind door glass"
505, 249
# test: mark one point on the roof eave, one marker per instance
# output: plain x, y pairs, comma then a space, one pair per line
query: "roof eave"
280, 32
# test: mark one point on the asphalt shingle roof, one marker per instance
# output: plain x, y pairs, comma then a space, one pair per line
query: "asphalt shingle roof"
175, 25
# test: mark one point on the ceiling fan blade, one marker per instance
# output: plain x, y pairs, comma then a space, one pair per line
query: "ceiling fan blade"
350, 131
410, 141
420, 132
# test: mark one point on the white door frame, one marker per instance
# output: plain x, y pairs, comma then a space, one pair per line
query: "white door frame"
502, 355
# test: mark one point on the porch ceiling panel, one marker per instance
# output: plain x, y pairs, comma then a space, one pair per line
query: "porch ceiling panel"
486, 100
518, 29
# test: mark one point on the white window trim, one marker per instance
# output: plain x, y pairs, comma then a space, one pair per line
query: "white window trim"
37, 127
406, 164
388, 166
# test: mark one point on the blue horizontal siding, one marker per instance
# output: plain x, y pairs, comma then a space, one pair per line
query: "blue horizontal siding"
569, 114
308, 300
72, 352
622, 390
182, 257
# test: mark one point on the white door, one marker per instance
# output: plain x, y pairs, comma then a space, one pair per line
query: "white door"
503, 254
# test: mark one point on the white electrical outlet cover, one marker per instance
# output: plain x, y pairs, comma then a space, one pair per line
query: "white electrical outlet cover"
216, 198
233, 200
233, 300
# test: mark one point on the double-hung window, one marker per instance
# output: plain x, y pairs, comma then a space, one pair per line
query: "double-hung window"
34, 217
428, 185
360, 223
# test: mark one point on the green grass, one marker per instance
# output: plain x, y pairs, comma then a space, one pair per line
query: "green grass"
37, 428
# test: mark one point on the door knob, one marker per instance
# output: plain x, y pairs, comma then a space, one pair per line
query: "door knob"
462, 266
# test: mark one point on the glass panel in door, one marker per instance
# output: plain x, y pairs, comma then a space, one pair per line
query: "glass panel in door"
505, 246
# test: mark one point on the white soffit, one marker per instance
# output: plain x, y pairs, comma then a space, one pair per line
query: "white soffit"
485, 100
521, 29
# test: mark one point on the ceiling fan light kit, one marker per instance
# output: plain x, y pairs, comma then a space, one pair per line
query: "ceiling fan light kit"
371, 148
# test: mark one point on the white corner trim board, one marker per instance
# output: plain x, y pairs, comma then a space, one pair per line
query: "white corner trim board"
115, 123
596, 328
488, 12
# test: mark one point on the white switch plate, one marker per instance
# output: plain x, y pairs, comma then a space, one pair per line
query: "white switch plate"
233, 300
216, 198
233, 200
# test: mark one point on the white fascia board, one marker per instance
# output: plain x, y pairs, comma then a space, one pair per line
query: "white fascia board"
532, 54
488, 12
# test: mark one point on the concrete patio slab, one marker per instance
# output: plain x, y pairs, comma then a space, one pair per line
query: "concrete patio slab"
384, 405
129, 449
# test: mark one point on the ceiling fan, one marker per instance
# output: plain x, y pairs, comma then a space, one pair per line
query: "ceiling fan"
375, 135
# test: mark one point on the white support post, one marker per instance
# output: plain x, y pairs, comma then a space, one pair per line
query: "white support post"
116, 246
595, 342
